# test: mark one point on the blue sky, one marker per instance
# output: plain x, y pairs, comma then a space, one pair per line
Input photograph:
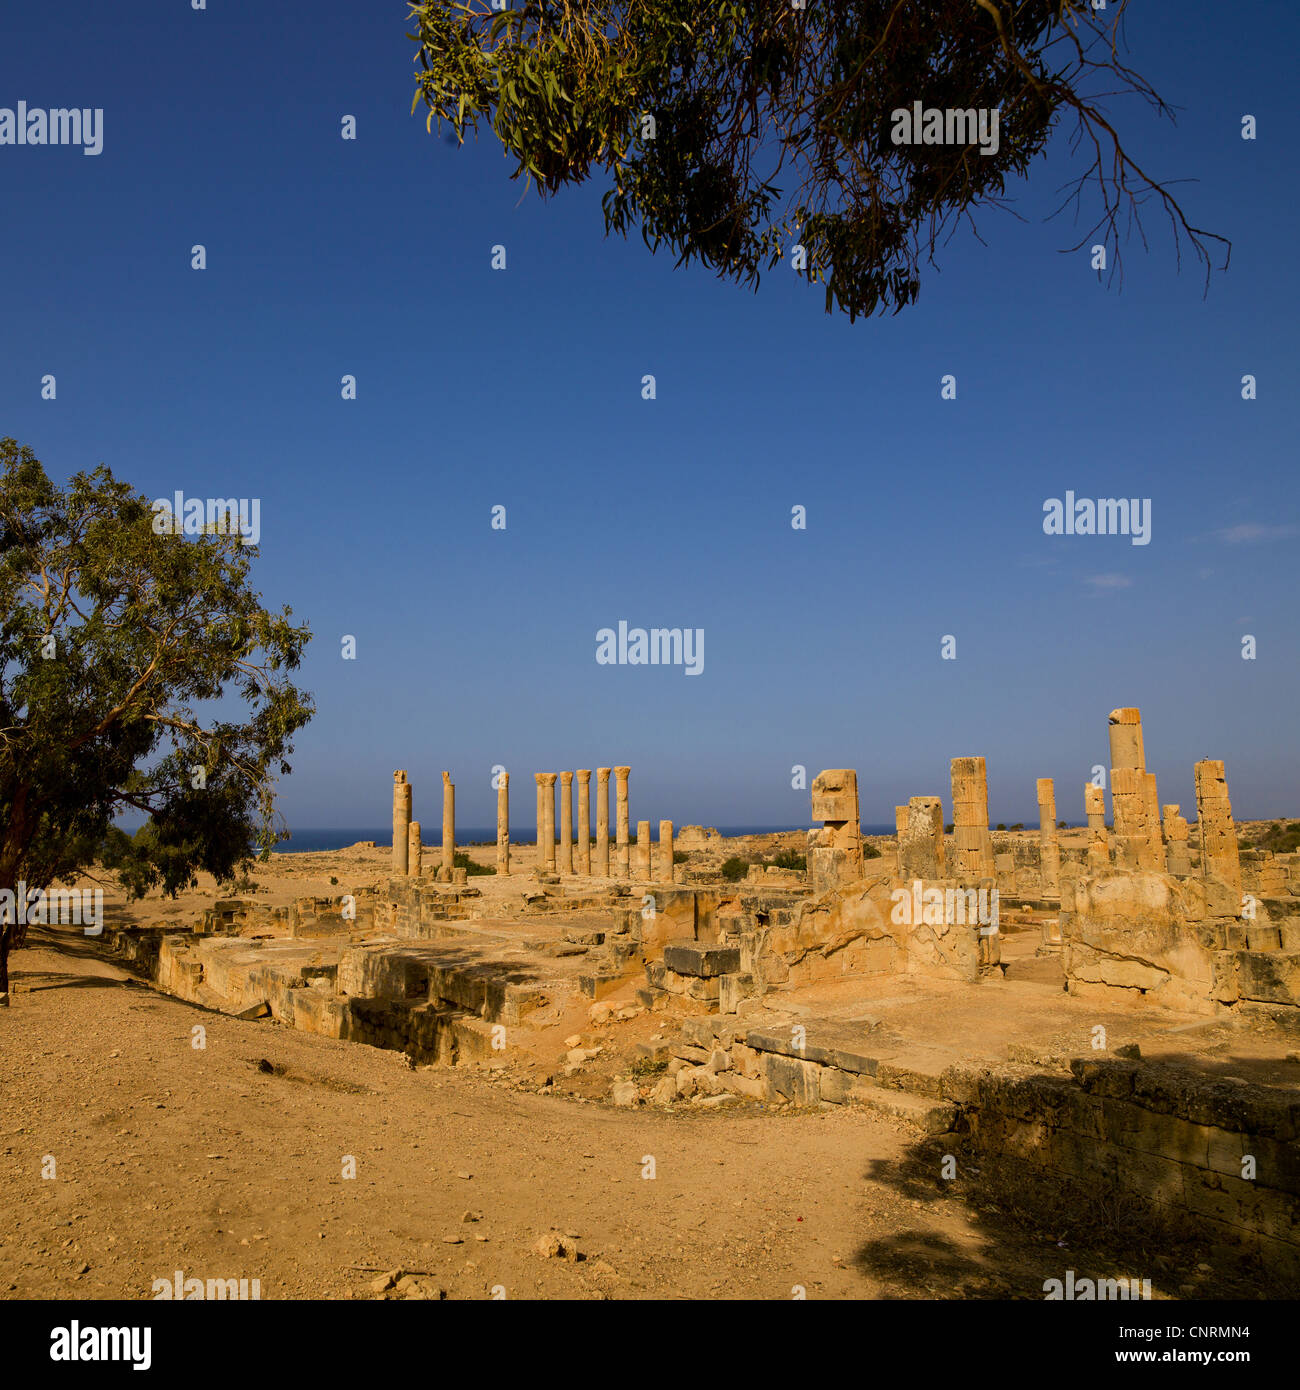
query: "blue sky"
476, 647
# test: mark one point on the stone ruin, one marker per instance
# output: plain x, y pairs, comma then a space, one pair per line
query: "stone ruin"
1141, 915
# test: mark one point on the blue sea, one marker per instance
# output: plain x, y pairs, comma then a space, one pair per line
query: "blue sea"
315, 839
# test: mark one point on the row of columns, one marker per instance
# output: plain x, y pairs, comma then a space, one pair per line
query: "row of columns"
408, 847
562, 859
1145, 839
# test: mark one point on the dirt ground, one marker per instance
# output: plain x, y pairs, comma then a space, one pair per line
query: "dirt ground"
167, 1156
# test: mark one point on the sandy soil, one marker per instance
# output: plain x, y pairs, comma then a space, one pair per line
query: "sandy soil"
172, 1157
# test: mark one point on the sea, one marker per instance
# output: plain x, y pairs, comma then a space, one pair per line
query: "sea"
314, 840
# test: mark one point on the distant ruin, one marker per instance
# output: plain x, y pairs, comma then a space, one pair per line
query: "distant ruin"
1140, 919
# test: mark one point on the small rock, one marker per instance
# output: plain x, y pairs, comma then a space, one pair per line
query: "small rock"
625, 1093
599, 1013
453, 1240
466, 1176
385, 1281
575, 1040
665, 1091
555, 1247
472, 1216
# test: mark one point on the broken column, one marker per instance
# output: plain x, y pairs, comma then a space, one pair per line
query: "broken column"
584, 821
602, 821
414, 850
1178, 859
566, 822
1049, 846
835, 851
1134, 800
448, 823
548, 822
920, 847
1219, 852
503, 824
973, 845
541, 821
401, 821
643, 850
1094, 803
900, 820
624, 866
667, 870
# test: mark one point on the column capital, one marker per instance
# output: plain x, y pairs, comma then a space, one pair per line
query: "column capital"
583, 774
547, 779
566, 778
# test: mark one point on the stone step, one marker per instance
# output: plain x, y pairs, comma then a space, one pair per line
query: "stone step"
927, 1114
918, 1072
702, 959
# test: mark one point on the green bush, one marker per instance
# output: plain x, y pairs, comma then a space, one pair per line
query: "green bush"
869, 851
461, 860
999, 826
735, 868
680, 856
790, 859
1019, 825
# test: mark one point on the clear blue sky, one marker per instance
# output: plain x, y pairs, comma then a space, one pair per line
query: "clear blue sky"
822, 647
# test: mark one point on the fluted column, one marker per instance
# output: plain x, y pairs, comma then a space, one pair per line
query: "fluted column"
667, 870
584, 821
566, 822
414, 850
503, 824
448, 823
602, 821
548, 822
643, 850
401, 822
622, 846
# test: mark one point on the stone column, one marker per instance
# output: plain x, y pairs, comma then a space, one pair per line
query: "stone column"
541, 820
1126, 739
448, 823
835, 851
920, 848
1178, 860
643, 851
667, 869
401, 822
602, 821
1094, 803
624, 865
584, 821
1049, 846
1138, 842
414, 850
566, 822
970, 819
503, 824
1219, 852
548, 819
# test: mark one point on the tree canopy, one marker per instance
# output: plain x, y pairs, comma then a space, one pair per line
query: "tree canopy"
122, 651
731, 131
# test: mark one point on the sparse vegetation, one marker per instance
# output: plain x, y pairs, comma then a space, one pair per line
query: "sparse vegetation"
735, 868
474, 869
790, 859
1280, 838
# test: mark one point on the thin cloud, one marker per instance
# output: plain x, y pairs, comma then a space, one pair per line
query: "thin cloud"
1252, 532
1108, 581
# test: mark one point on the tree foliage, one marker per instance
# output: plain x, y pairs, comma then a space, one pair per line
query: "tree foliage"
137, 671
772, 124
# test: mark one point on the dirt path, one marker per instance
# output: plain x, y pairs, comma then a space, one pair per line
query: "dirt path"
169, 1156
